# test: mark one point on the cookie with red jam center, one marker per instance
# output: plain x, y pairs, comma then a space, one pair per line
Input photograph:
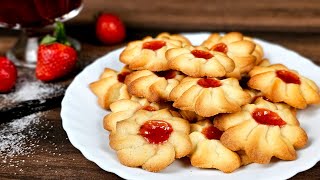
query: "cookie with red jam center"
151, 139
262, 130
208, 151
280, 84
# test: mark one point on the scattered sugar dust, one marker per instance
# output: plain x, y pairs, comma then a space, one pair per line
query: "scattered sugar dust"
29, 88
23, 139
16, 134
32, 90
20, 140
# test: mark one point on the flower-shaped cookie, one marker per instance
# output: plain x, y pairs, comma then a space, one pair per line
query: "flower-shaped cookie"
279, 84
264, 62
243, 51
191, 116
258, 51
177, 37
125, 108
154, 86
208, 151
262, 130
209, 96
149, 53
244, 158
255, 95
199, 61
110, 87
151, 139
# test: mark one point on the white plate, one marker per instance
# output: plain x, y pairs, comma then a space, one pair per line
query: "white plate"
82, 120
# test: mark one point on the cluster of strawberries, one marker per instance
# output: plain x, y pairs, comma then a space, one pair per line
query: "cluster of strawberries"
56, 56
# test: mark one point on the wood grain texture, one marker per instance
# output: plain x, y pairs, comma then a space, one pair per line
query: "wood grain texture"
46, 163
55, 158
187, 15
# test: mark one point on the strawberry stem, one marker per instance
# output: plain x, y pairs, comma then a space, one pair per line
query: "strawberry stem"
48, 39
59, 35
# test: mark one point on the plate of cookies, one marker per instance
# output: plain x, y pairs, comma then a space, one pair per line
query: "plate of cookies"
198, 105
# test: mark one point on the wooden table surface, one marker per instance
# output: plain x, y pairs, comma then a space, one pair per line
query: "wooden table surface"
186, 15
55, 157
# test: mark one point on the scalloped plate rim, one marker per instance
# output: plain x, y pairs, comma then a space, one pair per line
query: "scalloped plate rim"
120, 172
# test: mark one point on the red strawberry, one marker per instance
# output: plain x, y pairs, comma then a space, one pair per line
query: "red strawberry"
8, 75
55, 61
110, 29
56, 58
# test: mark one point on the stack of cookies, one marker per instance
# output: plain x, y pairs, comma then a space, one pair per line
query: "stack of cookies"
221, 103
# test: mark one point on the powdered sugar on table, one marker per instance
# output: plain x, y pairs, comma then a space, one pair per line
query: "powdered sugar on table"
16, 135
29, 88
21, 140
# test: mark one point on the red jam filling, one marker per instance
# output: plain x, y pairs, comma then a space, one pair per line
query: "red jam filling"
201, 54
153, 45
170, 74
212, 132
209, 83
221, 47
288, 77
267, 117
149, 108
122, 76
156, 131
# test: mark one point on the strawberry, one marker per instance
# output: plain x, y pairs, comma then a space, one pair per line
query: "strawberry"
110, 29
56, 58
8, 75
54, 61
